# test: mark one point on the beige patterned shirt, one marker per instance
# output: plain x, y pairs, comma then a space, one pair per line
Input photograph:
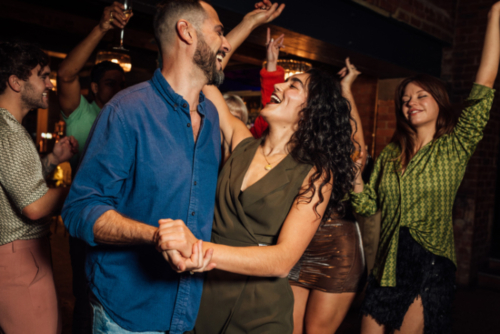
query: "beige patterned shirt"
21, 182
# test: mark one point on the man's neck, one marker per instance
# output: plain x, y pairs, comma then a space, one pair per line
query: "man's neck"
185, 78
14, 105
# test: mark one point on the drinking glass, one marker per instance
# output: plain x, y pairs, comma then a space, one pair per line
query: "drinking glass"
127, 4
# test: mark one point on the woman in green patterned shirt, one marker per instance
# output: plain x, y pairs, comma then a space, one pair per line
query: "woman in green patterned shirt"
414, 184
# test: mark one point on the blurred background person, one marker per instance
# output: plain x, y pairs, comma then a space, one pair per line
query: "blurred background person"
28, 302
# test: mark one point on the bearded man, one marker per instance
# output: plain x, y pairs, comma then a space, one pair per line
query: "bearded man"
153, 152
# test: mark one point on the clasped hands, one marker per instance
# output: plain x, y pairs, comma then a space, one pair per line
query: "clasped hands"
182, 250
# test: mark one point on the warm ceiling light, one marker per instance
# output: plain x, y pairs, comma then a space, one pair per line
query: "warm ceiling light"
120, 58
293, 67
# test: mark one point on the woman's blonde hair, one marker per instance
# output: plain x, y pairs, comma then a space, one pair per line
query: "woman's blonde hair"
237, 106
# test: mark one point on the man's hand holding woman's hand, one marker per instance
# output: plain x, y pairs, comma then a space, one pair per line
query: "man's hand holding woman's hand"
182, 250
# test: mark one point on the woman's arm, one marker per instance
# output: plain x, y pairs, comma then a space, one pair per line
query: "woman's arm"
470, 126
349, 74
488, 67
233, 129
277, 260
264, 12
269, 76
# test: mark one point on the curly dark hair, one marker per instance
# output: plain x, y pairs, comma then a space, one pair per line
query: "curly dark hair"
19, 59
100, 69
324, 140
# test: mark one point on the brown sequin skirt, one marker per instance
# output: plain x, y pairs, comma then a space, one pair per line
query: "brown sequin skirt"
334, 261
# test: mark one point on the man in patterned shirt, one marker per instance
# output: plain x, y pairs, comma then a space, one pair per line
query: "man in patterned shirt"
28, 302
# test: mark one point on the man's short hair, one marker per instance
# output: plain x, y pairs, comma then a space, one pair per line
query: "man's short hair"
98, 70
19, 59
168, 14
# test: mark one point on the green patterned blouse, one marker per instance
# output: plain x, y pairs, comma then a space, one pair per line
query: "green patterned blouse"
422, 197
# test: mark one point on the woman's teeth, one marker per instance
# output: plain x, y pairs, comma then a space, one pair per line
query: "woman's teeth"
275, 99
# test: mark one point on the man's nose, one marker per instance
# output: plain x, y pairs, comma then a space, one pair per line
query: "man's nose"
225, 45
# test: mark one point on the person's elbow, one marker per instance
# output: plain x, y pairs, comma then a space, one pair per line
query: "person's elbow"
283, 273
283, 270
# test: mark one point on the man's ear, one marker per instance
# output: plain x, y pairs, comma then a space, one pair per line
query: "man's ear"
94, 87
186, 31
15, 83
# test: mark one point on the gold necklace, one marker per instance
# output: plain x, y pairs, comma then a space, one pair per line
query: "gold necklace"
268, 166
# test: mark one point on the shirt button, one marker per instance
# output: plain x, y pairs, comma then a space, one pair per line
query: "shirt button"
185, 105
175, 106
192, 213
189, 125
195, 183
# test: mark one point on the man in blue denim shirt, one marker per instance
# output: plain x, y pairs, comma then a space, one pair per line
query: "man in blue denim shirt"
153, 153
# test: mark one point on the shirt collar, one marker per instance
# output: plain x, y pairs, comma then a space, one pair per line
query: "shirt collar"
175, 100
9, 115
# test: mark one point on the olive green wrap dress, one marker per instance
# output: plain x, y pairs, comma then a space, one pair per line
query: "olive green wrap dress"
233, 303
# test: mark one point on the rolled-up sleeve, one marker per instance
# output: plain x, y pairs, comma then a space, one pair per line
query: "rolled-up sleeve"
105, 166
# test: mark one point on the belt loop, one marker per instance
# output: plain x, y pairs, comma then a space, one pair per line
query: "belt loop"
13, 247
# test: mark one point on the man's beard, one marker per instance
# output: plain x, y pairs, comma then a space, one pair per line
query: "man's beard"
29, 98
207, 62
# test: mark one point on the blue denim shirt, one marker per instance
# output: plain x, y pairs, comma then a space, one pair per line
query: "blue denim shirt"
142, 161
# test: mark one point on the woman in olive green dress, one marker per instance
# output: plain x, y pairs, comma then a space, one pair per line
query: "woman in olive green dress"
272, 195
414, 184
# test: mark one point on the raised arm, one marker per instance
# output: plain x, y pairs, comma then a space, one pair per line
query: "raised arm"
233, 129
264, 12
277, 260
68, 85
488, 68
349, 74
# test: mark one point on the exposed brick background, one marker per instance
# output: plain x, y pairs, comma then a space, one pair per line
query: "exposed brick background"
364, 90
435, 17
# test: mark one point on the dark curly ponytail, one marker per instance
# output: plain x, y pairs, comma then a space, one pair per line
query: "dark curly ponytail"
323, 139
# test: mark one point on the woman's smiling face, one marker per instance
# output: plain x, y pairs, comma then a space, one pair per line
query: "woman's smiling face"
419, 106
288, 99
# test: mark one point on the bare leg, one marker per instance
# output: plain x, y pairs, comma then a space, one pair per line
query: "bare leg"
413, 322
371, 326
299, 308
325, 311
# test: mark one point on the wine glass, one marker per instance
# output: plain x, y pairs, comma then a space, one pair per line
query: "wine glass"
127, 4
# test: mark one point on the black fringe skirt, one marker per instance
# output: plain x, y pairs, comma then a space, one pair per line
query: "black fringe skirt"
419, 274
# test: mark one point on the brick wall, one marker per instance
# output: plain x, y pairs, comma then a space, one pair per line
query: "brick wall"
364, 90
386, 123
474, 207
435, 17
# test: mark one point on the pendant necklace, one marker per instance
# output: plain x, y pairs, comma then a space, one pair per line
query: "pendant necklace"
268, 166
